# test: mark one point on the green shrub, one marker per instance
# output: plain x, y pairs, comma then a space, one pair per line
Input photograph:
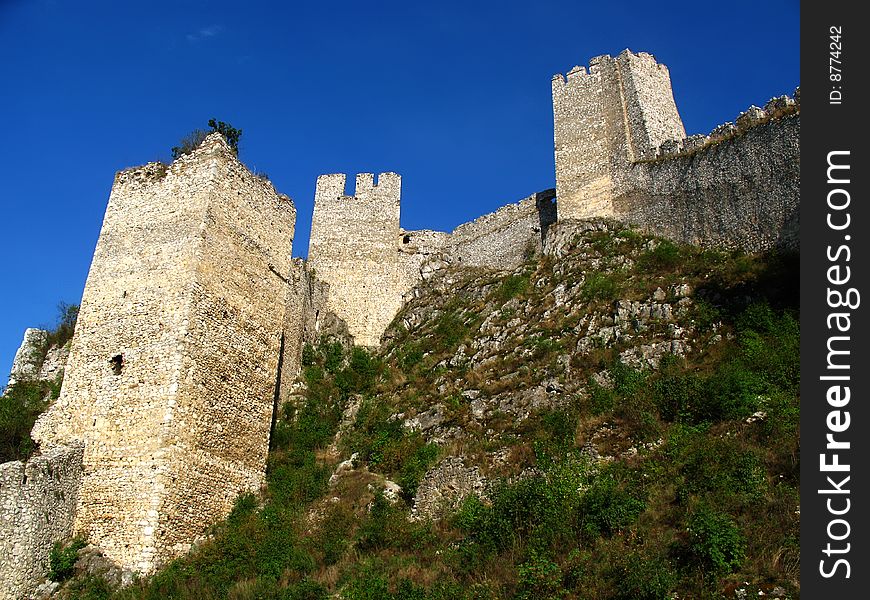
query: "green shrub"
599, 286
719, 470
363, 371
88, 588
643, 577
665, 256
715, 543
332, 537
67, 315
601, 399
62, 560
607, 508
230, 133
192, 140
409, 356
415, 468
332, 355
19, 408
304, 590
540, 579
309, 355
450, 329
511, 286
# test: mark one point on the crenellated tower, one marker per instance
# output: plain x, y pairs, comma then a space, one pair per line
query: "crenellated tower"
605, 118
353, 249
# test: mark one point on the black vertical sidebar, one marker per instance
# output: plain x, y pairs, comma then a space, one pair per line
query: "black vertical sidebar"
835, 299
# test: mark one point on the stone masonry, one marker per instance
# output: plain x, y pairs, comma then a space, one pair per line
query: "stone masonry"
353, 250
37, 507
606, 118
621, 152
172, 371
194, 315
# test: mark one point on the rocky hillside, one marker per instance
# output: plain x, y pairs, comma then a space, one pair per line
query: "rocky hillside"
618, 419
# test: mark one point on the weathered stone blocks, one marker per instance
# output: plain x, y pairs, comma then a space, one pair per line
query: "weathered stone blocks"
172, 370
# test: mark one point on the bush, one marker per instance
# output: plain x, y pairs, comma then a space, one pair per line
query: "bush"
230, 133
715, 542
88, 588
512, 285
19, 409
718, 470
643, 577
62, 560
599, 286
63, 330
607, 508
409, 356
309, 355
540, 579
665, 256
189, 143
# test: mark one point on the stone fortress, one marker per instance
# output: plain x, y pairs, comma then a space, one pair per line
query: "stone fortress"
194, 313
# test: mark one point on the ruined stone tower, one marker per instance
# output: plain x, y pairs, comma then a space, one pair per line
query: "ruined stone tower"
354, 249
604, 119
171, 376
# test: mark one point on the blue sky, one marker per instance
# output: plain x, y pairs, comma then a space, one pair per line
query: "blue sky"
454, 96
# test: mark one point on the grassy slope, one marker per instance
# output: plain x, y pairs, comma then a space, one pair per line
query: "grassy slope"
636, 483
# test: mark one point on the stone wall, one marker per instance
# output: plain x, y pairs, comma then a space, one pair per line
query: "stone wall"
37, 508
505, 238
307, 320
370, 264
353, 250
621, 152
173, 365
743, 191
603, 119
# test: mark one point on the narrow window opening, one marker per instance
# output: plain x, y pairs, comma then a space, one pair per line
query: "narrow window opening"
406, 239
117, 363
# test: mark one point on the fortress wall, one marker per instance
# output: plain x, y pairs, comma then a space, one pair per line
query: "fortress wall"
307, 318
135, 306
740, 192
37, 507
621, 152
651, 114
353, 250
230, 359
161, 359
420, 252
584, 139
505, 238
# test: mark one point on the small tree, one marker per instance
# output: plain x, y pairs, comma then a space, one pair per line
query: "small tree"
230, 133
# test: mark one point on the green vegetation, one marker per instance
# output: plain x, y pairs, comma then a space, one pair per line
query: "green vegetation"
192, 140
63, 559
67, 314
699, 491
19, 408
24, 401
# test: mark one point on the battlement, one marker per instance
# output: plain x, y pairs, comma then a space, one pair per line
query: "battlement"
353, 250
332, 187
776, 108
